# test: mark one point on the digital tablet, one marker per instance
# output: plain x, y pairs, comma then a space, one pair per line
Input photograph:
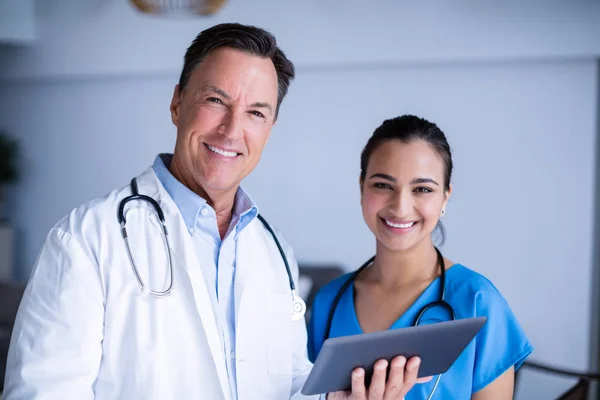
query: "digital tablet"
438, 345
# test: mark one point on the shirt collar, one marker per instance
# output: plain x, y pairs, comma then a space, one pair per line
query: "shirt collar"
190, 204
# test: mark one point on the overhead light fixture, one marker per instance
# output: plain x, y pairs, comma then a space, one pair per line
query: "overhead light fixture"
195, 7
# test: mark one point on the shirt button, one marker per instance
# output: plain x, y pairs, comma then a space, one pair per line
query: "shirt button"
191, 230
204, 211
232, 355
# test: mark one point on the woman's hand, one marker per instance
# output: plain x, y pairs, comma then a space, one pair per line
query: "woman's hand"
402, 377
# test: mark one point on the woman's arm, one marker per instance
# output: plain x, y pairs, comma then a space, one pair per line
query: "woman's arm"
501, 388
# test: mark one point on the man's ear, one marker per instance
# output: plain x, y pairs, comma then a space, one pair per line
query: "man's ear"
175, 103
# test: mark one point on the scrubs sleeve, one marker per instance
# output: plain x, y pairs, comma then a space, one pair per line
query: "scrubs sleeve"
501, 343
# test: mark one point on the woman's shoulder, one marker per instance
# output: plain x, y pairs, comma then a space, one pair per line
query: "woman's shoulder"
474, 288
463, 278
319, 313
464, 282
328, 291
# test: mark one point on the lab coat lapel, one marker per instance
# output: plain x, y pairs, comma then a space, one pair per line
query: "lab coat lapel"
252, 255
251, 285
186, 259
263, 317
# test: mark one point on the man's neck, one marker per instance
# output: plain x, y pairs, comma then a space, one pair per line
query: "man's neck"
222, 202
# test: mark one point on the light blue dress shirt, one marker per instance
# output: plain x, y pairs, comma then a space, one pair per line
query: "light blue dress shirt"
215, 256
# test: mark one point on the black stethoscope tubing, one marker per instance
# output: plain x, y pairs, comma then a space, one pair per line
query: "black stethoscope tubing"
439, 303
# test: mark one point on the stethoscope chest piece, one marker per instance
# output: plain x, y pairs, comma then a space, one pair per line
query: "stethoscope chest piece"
298, 307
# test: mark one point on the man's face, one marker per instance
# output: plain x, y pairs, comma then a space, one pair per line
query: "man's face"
224, 117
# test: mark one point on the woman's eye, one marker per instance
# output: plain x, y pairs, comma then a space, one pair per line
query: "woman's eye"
381, 185
423, 190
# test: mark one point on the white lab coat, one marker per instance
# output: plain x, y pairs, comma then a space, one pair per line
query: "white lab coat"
85, 331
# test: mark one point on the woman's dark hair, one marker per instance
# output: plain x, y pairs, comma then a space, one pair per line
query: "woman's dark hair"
407, 128
246, 38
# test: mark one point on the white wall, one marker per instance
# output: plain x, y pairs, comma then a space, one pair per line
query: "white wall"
98, 37
523, 134
17, 22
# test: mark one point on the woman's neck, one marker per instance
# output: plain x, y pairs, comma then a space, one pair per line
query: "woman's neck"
396, 269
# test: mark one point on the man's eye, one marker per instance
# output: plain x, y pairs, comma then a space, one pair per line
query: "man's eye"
215, 100
257, 113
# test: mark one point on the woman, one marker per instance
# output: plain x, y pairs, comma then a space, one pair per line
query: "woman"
406, 168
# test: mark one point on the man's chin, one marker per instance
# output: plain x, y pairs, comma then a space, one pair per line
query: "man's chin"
220, 186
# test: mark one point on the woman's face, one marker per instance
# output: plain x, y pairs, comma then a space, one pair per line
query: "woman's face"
402, 196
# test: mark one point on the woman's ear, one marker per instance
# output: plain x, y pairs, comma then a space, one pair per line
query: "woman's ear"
447, 195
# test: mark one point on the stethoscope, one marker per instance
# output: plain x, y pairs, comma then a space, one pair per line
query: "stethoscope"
298, 305
439, 303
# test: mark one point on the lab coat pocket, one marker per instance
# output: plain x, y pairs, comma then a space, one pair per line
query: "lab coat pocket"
279, 315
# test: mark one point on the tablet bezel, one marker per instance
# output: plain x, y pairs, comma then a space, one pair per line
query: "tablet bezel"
438, 344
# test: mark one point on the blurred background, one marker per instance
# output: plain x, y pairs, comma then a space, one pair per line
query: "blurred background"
85, 87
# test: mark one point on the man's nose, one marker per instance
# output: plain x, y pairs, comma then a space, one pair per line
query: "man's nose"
232, 124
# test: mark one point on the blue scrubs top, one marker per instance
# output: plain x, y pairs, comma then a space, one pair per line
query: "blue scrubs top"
500, 344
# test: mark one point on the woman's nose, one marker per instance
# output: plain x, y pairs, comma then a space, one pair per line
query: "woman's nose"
401, 203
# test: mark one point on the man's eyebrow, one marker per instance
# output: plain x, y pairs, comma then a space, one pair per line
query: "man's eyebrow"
262, 105
213, 89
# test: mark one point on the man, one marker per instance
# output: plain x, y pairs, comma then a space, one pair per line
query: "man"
117, 309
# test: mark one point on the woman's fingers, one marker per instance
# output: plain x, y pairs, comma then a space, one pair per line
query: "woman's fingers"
395, 381
402, 377
359, 392
411, 372
424, 379
377, 386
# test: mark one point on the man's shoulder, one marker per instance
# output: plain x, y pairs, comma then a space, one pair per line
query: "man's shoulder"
95, 212
102, 211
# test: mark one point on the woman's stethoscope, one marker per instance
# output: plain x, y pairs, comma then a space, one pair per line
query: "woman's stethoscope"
298, 305
439, 303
